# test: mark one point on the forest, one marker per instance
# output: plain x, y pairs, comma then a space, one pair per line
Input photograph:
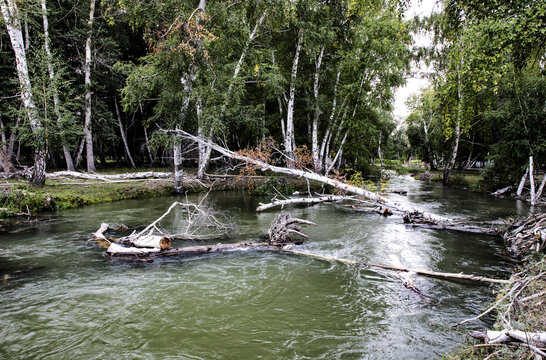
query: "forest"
162, 102
96, 83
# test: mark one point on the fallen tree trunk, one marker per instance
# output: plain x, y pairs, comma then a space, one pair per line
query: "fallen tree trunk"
306, 201
459, 228
91, 176
460, 276
116, 250
531, 340
136, 240
306, 174
417, 219
503, 190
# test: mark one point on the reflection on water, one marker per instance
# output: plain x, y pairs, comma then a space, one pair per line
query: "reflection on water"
63, 298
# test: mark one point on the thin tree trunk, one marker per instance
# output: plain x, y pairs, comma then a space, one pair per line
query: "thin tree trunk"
314, 131
66, 152
123, 135
289, 138
338, 154
451, 163
178, 170
204, 150
522, 182
87, 128
379, 149
532, 180
427, 143
6, 163
541, 187
10, 13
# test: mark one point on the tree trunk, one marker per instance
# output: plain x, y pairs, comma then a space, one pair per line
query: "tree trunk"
5, 162
10, 13
178, 170
49, 59
204, 151
308, 175
123, 135
451, 163
541, 187
289, 138
532, 180
314, 132
379, 149
522, 182
88, 111
338, 155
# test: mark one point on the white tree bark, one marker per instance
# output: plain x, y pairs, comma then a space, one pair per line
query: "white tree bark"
88, 101
314, 131
123, 135
541, 187
532, 180
522, 182
338, 155
306, 201
204, 151
289, 138
451, 163
10, 13
308, 175
49, 58
178, 170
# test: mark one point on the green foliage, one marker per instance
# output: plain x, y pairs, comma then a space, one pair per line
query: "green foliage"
274, 186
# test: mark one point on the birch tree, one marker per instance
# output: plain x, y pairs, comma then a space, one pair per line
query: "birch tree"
51, 71
87, 127
10, 13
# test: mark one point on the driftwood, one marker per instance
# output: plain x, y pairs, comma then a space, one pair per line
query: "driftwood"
459, 276
282, 228
526, 236
117, 250
418, 219
103, 177
280, 233
139, 240
306, 174
407, 281
503, 190
531, 340
306, 201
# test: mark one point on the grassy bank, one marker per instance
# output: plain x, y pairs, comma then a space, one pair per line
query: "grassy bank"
18, 197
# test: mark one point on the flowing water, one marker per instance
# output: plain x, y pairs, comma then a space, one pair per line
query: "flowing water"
62, 298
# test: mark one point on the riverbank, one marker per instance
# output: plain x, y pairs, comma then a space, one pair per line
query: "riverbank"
18, 198
520, 305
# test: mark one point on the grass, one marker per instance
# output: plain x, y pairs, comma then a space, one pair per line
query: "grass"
21, 197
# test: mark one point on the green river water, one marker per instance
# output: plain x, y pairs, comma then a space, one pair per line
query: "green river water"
62, 298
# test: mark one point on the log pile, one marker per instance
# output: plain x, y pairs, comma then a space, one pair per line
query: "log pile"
526, 236
146, 245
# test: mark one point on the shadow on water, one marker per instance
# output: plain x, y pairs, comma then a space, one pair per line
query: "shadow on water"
66, 299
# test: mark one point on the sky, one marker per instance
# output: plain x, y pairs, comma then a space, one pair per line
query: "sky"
414, 84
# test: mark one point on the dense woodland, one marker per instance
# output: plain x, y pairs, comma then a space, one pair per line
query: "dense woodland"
84, 84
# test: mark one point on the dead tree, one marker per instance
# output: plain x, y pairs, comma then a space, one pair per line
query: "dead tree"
308, 175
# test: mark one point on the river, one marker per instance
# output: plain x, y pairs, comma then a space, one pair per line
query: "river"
61, 297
